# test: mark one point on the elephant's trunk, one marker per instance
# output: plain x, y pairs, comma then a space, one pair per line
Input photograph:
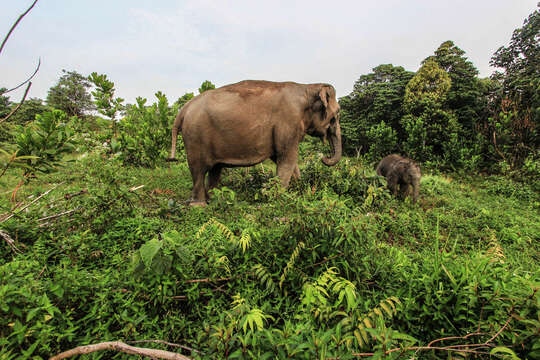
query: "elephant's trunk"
335, 143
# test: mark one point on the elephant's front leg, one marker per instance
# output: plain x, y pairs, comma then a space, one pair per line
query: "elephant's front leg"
286, 166
296, 172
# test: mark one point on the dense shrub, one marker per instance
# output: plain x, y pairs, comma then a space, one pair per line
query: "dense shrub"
144, 134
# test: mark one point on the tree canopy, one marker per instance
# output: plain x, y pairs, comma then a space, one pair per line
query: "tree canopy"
70, 94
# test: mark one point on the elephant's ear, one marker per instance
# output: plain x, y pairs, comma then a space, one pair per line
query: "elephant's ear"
323, 95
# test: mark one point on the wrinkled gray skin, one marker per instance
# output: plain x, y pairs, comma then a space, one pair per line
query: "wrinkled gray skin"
248, 122
400, 172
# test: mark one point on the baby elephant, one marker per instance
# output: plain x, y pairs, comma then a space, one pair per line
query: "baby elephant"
400, 171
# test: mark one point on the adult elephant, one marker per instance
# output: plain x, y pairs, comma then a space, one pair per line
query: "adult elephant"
248, 122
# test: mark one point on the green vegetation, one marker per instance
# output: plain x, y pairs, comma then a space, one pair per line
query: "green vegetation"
331, 267
98, 243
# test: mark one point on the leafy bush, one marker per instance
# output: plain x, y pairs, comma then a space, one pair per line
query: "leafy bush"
44, 142
144, 134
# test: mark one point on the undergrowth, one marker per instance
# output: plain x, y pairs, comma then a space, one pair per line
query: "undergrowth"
332, 267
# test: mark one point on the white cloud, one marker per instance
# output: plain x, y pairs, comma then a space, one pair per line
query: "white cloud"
174, 46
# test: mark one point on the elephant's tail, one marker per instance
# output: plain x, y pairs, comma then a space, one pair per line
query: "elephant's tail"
177, 126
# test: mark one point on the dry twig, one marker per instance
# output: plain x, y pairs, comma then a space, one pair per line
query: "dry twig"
207, 280
461, 348
58, 215
27, 205
120, 347
165, 343
10, 241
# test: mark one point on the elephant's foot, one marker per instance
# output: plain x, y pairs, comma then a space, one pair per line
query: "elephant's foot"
197, 203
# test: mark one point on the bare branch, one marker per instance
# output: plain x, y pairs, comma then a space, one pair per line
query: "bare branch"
19, 105
207, 280
456, 337
58, 215
26, 206
24, 82
461, 348
120, 347
9, 241
165, 343
15, 25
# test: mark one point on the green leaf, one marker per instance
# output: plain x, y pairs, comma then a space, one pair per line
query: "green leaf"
149, 250
504, 350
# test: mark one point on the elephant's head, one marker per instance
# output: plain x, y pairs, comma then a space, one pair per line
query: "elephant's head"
324, 113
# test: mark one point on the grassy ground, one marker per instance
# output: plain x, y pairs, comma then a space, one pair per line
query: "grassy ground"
329, 268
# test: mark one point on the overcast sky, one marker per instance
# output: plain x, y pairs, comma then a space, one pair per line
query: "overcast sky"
173, 46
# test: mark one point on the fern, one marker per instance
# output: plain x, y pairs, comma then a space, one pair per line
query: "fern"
317, 295
264, 277
387, 309
495, 251
295, 254
244, 241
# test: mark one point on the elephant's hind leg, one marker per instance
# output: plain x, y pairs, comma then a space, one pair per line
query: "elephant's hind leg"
198, 195
213, 178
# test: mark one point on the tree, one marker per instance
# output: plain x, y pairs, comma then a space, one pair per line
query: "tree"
464, 97
206, 85
28, 111
517, 116
184, 99
71, 94
432, 131
4, 103
104, 98
374, 107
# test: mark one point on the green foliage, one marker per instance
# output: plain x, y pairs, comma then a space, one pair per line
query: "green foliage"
512, 128
432, 131
28, 111
376, 97
464, 98
4, 103
206, 85
70, 94
44, 142
105, 102
183, 99
384, 141
144, 134
427, 89
330, 267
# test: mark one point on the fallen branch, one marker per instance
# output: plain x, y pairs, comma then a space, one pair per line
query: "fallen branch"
456, 337
461, 348
10, 242
29, 204
120, 347
165, 343
69, 196
207, 280
58, 215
